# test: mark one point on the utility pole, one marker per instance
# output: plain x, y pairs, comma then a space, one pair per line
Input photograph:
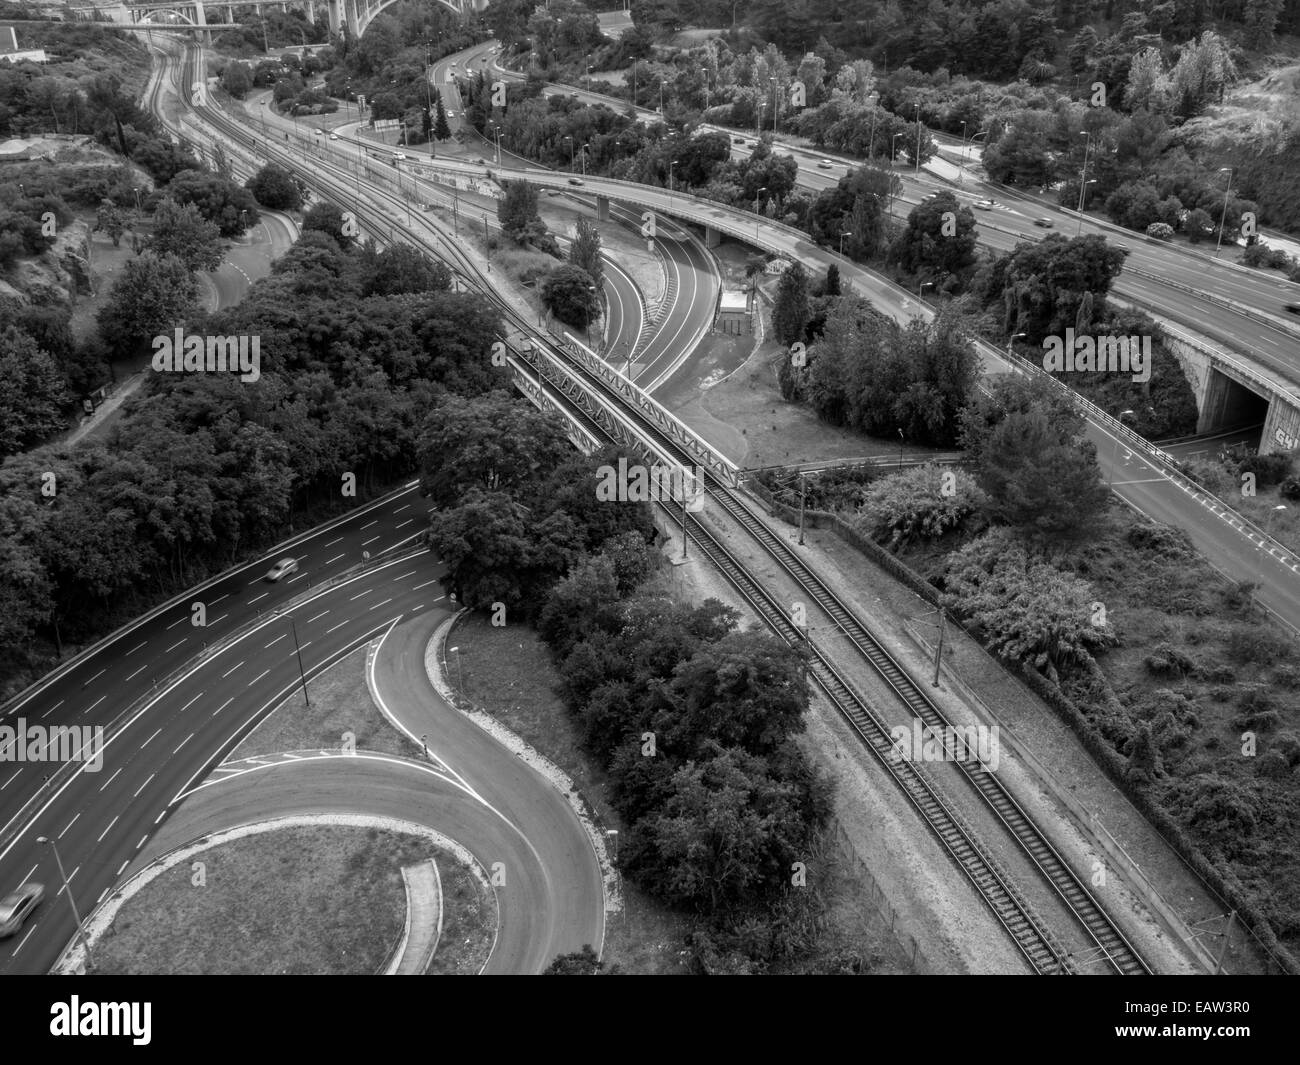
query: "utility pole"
301, 673
803, 495
938, 650
76, 915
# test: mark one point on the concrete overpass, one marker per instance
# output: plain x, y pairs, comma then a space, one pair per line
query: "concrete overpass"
354, 16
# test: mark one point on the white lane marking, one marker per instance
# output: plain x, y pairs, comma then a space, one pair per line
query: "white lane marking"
258, 677
178, 621
403, 576
223, 706
368, 524
174, 646
404, 506
282, 636
184, 742
424, 585
94, 704
367, 543
10, 780
338, 540
69, 825
143, 786
256, 598
105, 832
297, 578
406, 522
143, 840
96, 677
22, 941
110, 779
338, 626
377, 605
137, 647
214, 602
317, 617
137, 672
122, 866
360, 594
149, 740
192, 701
55, 707
334, 559
231, 670
160, 817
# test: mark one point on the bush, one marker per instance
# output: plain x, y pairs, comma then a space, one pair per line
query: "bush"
1168, 661
1260, 644
1289, 489
925, 502
1161, 231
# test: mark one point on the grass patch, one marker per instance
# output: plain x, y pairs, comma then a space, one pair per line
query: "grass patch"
319, 899
340, 704
468, 918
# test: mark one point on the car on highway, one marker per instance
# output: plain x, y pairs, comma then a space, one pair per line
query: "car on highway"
282, 569
824, 164
481, 162
399, 155
738, 140
334, 136
575, 181
320, 132
985, 205
1122, 247
1294, 308
17, 906
1043, 223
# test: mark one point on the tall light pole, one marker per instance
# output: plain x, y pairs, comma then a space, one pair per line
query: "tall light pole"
705, 72
756, 196
573, 162
846, 233
459, 671
961, 170
1268, 525
1012, 339
892, 150
916, 172
671, 165
922, 287
76, 915
302, 675
1223, 218
875, 110
1114, 452
774, 107
1083, 178
585, 148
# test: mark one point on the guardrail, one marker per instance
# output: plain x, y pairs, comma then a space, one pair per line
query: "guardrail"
160, 686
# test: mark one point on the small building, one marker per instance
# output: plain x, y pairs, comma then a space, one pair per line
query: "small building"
734, 312
9, 51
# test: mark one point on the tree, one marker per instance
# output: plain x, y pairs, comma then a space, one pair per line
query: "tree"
570, 293
400, 268
579, 963
584, 252
832, 287
520, 222
938, 240
326, 217
441, 128
237, 79
110, 219
275, 188
185, 234
34, 395
152, 296
218, 199
790, 312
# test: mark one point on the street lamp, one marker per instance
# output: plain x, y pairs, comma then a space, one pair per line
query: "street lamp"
671, 165
774, 107
846, 233
1114, 452
1268, 525
459, 671
573, 162
1223, 218
705, 72
1083, 178
1012, 338
85, 939
892, 153
916, 172
922, 287
756, 196
585, 149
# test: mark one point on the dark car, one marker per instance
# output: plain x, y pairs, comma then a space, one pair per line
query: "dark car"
1043, 223
1294, 308
575, 181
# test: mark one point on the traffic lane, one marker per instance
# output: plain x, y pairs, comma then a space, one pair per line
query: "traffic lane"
527, 901
697, 296
525, 798
94, 692
101, 819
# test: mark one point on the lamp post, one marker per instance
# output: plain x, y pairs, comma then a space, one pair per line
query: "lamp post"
774, 107
803, 495
756, 196
705, 72
1223, 218
900, 448
1114, 452
671, 165
76, 915
875, 110
922, 287
1083, 178
573, 162
459, 671
585, 148
1012, 339
916, 172
301, 673
892, 153
1268, 525
846, 233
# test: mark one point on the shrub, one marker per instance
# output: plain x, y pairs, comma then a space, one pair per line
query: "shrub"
921, 503
1161, 231
1261, 644
1290, 489
1168, 661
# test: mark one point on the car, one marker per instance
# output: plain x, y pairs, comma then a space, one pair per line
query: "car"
282, 569
334, 136
573, 95
1294, 308
481, 161
575, 181
739, 140
399, 155
985, 205
824, 164
320, 132
1043, 223
17, 906
1122, 247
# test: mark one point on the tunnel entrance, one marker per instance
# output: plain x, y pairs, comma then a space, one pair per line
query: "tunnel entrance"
1230, 404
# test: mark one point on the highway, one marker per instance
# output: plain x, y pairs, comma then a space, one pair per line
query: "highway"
1167, 279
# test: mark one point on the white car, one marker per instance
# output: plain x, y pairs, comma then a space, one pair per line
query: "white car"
985, 205
399, 155
17, 906
282, 569
334, 136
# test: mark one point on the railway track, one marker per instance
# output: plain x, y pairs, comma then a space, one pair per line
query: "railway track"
1012, 911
